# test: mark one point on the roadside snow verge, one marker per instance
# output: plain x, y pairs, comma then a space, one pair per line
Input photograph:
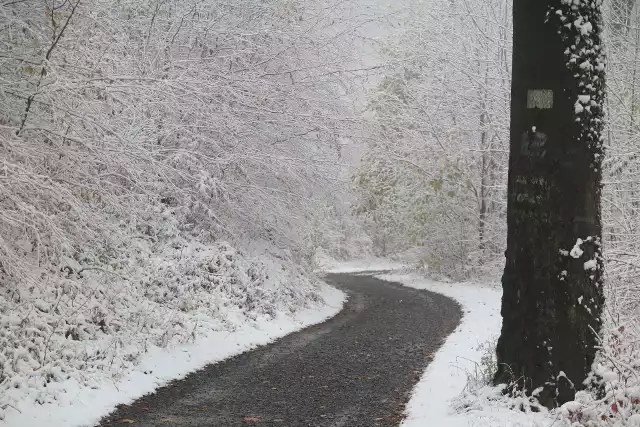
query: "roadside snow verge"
445, 378
453, 392
253, 304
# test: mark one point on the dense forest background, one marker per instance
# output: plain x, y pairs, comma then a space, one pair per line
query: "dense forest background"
136, 136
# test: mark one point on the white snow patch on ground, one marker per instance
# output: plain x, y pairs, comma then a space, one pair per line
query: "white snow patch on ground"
83, 406
436, 400
77, 343
447, 397
362, 265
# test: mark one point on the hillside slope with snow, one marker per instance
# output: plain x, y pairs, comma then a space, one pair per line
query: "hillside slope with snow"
85, 338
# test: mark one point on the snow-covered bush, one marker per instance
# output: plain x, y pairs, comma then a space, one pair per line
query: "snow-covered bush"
135, 138
88, 324
613, 394
486, 368
110, 111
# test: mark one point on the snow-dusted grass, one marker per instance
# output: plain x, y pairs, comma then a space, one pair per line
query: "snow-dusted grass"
71, 348
78, 405
453, 391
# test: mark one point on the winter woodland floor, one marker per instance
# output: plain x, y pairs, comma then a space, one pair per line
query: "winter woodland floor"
363, 367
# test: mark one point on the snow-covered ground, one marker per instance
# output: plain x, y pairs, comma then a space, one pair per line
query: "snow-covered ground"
442, 385
453, 391
439, 398
446, 376
80, 384
326, 264
73, 348
82, 406
442, 396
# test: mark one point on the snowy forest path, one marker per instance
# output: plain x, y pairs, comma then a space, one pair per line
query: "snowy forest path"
356, 369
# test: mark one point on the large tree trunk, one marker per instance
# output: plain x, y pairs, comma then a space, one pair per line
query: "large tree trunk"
552, 279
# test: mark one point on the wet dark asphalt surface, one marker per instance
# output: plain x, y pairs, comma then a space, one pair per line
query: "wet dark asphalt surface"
355, 370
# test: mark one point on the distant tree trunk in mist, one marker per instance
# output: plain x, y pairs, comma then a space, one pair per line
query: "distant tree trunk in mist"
552, 279
621, 12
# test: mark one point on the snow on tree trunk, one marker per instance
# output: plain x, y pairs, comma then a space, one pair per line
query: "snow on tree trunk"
552, 279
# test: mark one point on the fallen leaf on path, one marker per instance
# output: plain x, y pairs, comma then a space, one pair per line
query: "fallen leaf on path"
127, 421
251, 420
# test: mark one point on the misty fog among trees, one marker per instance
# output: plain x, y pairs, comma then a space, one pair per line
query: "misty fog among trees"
197, 155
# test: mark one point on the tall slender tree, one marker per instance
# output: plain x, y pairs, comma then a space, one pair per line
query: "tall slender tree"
552, 280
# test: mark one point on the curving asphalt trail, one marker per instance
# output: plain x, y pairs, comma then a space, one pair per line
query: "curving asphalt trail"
355, 370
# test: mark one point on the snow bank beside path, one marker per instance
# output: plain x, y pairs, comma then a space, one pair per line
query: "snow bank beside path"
81, 406
446, 377
73, 348
453, 391
439, 390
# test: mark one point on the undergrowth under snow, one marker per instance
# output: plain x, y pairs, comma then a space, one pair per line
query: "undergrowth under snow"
456, 390
82, 328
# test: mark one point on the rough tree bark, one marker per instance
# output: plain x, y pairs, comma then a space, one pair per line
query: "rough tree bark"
552, 279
